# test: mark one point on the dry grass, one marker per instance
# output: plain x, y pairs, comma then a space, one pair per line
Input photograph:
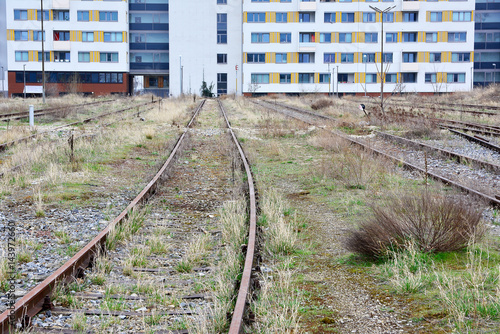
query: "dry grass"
329, 142
434, 223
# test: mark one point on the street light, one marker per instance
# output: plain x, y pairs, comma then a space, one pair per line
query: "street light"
3, 93
364, 60
382, 74
43, 53
494, 70
24, 80
337, 81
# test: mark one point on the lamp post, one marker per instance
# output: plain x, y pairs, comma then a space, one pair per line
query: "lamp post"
382, 74
337, 81
24, 80
329, 81
43, 54
494, 72
3, 93
182, 74
364, 60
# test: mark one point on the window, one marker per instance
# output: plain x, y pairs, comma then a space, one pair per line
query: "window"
221, 58
345, 37
371, 78
329, 58
281, 58
47, 56
260, 37
285, 0
21, 55
259, 78
222, 2
409, 57
21, 35
83, 57
108, 16
391, 77
20, 14
285, 37
371, 37
254, 17
37, 35
285, 78
307, 37
347, 57
87, 36
306, 57
221, 28
345, 77
329, 17
436, 16
410, 36
391, 37
387, 57
45, 15
108, 57
388, 17
431, 37
410, 16
306, 77
368, 17
260, 0
457, 36
347, 17
462, 16
455, 78
113, 37
61, 35
430, 77
368, 57
325, 37
83, 15
324, 78
435, 57
61, 15
62, 56
256, 57
409, 77
306, 17
221, 83
460, 57
281, 17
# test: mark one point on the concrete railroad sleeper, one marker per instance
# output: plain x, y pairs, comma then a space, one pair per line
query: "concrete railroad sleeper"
491, 200
38, 298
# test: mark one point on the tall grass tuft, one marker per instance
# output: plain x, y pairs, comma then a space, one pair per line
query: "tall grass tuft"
434, 223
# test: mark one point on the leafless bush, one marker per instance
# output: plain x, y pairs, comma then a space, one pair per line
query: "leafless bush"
423, 130
329, 142
434, 223
321, 104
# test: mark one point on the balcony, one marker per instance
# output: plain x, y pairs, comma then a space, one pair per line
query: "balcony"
62, 45
60, 4
411, 5
309, 6
409, 67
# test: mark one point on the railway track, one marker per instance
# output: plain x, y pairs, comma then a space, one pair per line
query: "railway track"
11, 143
396, 154
47, 111
158, 290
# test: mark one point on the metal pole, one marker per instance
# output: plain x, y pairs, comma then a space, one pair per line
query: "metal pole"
364, 59
329, 81
43, 56
32, 115
180, 67
337, 81
3, 93
382, 74
494, 70
24, 80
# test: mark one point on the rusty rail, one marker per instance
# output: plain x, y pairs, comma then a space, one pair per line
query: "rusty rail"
477, 140
38, 297
491, 200
244, 290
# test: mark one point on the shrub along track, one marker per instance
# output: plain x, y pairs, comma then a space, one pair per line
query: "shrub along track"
149, 277
486, 190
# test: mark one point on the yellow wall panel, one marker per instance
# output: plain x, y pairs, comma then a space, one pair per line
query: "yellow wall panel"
273, 17
421, 57
316, 77
51, 56
244, 57
428, 16
316, 37
472, 56
399, 17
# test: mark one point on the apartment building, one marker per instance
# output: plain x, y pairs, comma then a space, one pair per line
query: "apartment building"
85, 44
487, 42
299, 46
149, 47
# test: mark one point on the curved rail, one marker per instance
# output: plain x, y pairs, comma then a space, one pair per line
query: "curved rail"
4, 146
492, 200
244, 290
38, 297
477, 140
42, 112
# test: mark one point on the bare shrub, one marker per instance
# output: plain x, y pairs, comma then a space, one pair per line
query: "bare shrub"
321, 104
434, 223
329, 142
423, 130
356, 168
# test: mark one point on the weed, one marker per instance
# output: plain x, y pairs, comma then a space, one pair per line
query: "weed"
63, 237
